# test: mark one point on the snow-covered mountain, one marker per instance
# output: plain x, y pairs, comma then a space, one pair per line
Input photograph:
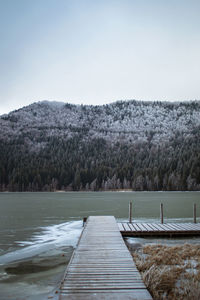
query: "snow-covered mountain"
136, 125
123, 121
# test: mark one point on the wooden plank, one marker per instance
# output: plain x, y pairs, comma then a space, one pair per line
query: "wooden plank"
120, 226
172, 228
151, 225
127, 228
104, 260
104, 257
101, 270
101, 287
102, 279
143, 229
135, 227
129, 225
123, 226
164, 227
189, 226
139, 294
146, 225
103, 276
180, 227
193, 226
175, 227
158, 226
97, 268
102, 265
119, 279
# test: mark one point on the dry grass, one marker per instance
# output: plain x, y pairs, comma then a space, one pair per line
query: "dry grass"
170, 272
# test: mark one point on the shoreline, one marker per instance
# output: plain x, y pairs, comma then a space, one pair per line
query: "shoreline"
104, 191
168, 271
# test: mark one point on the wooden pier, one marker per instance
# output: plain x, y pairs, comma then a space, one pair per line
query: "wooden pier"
101, 266
157, 229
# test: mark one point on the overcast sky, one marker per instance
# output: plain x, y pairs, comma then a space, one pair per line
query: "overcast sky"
96, 52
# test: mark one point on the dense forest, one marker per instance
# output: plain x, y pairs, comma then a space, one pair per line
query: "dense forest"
49, 146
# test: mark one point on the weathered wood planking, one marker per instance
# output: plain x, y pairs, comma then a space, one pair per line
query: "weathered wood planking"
101, 266
156, 229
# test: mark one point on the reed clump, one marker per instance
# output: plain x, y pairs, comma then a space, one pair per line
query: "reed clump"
170, 272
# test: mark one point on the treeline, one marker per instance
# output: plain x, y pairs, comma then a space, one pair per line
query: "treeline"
80, 164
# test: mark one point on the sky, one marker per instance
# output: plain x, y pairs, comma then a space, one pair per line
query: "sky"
98, 51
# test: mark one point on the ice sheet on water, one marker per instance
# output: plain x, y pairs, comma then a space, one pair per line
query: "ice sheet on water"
48, 238
65, 232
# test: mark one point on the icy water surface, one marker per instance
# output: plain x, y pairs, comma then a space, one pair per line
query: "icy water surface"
38, 231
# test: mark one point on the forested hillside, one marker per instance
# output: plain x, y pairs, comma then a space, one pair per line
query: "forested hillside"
135, 145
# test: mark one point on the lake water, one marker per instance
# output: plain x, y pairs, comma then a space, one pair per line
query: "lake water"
38, 231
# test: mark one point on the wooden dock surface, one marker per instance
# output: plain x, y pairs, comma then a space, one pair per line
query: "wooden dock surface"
101, 266
157, 229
